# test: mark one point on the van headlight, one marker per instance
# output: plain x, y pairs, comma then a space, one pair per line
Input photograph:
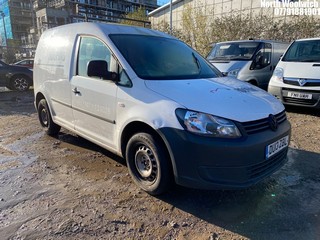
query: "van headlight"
234, 72
207, 124
277, 74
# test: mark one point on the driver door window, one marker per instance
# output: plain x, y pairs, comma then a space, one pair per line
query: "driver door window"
263, 57
92, 49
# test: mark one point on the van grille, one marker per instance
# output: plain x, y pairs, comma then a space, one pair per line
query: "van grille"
308, 102
267, 166
262, 124
307, 83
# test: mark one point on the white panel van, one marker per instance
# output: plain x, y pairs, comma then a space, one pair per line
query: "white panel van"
153, 100
252, 61
296, 79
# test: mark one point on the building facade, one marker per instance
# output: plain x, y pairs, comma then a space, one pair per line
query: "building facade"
23, 21
277, 9
85, 10
17, 19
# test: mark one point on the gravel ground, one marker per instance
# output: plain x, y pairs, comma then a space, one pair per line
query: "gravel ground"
68, 188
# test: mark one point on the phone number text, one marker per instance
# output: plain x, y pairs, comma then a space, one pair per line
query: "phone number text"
297, 11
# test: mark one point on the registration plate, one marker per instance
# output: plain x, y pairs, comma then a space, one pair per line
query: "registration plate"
277, 146
299, 95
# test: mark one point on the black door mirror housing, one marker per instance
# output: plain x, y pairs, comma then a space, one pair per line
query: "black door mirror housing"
99, 68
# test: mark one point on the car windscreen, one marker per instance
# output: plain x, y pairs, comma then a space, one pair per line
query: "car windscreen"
159, 58
233, 51
303, 51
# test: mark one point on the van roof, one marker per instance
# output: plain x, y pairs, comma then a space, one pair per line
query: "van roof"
254, 40
109, 28
307, 39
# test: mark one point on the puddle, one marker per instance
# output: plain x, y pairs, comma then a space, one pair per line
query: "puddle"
292, 177
3, 89
12, 102
10, 165
292, 180
15, 155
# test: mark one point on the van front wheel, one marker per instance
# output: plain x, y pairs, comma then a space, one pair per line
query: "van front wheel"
46, 120
148, 164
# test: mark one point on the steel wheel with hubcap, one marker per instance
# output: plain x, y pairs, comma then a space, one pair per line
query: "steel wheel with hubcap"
148, 164
46, 120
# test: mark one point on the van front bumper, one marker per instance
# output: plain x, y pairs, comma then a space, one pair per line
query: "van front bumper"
282, 94
211, 163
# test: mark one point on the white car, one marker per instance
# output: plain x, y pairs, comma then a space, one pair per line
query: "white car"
296, 79
153, 100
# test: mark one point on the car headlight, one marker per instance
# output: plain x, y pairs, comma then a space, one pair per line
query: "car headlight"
234, 72
277, 75
207, 124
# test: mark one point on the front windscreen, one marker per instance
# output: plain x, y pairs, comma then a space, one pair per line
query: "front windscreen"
162, 58
303, 51
233, 51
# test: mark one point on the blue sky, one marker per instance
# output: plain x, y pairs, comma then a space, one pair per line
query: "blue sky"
162, 2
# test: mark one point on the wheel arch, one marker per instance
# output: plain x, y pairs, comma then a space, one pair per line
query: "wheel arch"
138, 126
38, 97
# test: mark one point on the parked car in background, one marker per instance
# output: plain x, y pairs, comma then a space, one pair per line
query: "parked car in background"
296, 79
155, 101
252, 61
15, 77
25, 63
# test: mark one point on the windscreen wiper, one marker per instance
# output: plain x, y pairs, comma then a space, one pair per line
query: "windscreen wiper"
196, 60
309, 60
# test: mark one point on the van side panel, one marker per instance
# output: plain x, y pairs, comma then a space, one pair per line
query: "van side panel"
53, 63
278, 51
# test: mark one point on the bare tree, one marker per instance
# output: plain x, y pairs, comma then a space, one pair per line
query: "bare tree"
136, 18
200, 30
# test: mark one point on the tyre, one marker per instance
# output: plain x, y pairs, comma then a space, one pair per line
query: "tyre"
46, 120
10, 87
253, 82
148, 164
20, 83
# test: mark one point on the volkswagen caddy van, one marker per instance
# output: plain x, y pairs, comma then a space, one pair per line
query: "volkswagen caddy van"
252, 61
296, 79
153, 100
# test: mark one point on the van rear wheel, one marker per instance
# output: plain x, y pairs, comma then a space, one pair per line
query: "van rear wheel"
148, 164
46, 120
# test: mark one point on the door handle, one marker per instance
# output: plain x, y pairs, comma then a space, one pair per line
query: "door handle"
75, 91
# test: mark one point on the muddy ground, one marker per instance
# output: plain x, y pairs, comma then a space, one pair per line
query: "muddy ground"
68, 188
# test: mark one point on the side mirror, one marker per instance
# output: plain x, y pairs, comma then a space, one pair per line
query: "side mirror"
99, 68
259, 62
264, 61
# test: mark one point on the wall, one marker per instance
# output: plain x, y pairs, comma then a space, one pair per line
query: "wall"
214, 9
